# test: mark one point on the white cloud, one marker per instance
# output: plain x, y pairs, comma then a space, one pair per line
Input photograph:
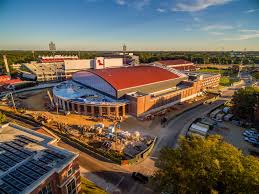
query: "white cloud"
217, 27
161, 10
217, 33
121, 2
251, 10
248, 31
246, 34
196, 19
198, 5
137, 4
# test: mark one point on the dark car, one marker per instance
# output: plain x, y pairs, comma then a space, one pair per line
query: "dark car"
140, 177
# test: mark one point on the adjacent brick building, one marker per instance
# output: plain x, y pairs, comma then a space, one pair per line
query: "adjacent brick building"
30, 163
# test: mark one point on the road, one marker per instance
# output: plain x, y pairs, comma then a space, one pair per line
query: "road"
107, 175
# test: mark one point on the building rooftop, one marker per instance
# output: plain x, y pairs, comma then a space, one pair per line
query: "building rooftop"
174, 62
11, 81
185, 67
128, 77
27, 159
57, 58
73, 91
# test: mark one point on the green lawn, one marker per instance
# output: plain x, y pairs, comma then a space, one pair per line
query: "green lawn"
223, 72
90, 188
255, 75
226, 81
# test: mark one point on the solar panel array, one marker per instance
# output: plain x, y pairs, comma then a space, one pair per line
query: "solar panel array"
19, 178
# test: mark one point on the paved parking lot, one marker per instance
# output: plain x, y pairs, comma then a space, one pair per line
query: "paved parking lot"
233, 135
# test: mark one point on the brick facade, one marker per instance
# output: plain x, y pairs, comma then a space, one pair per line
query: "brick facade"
59, 180
144, 104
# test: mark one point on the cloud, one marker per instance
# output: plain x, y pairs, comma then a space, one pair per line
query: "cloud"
161, 10
217, 27
121, 2
246, 34
196, 19
217, 33
251, 10
137, 4
248, 31
198, 5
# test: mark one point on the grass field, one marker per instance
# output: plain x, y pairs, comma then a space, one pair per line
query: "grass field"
225, 81
255, 75
223, 72
90, 188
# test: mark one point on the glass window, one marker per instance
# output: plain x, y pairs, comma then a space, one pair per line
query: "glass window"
46, 190
71, 187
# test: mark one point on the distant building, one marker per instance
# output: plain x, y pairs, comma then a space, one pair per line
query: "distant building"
31, 164
178, 64
62, 67
128, 58
16, 66
57, 58
52, 46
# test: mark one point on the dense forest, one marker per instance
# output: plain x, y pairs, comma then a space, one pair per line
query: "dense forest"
145, 57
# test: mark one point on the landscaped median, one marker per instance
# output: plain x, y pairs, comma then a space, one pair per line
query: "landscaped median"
88, 187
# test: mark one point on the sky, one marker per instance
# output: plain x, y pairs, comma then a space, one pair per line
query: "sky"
168, 25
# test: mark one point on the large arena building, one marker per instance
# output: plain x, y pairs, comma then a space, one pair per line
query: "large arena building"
135, 90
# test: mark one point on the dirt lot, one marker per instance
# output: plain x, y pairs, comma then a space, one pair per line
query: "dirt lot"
233, 135
34, 104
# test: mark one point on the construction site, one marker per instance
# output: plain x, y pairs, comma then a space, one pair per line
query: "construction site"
101, 135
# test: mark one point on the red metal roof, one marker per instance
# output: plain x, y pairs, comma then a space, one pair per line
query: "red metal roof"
8, 82
174, 62
56, 60
4, 78
185, 67
127, 77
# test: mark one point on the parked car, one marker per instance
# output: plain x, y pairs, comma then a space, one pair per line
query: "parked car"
251, 134
140, 177
216, 119
251, 140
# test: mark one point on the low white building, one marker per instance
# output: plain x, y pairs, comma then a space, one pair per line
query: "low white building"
50, 71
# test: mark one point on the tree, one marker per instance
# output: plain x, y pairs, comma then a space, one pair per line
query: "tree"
2, 118
244, 103
206, 165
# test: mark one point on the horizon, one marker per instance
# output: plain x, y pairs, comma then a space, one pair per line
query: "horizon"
143, 25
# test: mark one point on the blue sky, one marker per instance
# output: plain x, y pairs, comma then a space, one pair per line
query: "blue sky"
140, 24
